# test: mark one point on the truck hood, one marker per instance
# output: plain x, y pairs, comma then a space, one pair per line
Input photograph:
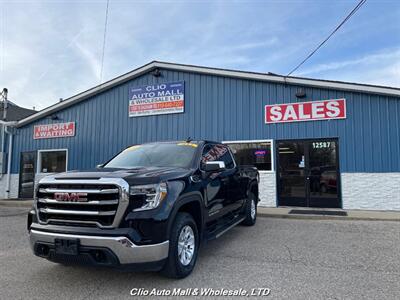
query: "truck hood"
140, 175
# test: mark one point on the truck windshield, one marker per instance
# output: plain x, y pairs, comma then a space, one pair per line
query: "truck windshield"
155, 155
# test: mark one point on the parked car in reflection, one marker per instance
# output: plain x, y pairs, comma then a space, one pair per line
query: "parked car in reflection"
328, 181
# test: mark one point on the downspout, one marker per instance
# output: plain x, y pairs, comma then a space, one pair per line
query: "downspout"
5, 107
2, 146
9, 158
6, 125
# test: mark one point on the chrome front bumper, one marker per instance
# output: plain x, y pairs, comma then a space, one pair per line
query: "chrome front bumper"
125, 250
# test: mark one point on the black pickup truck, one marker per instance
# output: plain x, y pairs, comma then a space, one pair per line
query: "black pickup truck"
148, 208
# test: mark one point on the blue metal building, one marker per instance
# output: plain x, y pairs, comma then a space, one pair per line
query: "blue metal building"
347, 157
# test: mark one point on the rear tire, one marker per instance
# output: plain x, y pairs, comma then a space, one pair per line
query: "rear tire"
183, 247
250, 210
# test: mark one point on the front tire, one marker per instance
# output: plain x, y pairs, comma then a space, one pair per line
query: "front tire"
183, 247
250, 210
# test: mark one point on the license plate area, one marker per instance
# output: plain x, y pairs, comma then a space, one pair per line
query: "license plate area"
67, 246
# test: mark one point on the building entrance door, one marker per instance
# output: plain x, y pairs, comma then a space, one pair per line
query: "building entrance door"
27, 174
308, 173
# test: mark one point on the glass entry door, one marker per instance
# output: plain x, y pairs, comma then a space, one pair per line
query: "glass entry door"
27, 174
308, 173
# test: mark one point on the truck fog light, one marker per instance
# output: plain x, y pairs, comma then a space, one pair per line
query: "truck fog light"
153, 193
126, 242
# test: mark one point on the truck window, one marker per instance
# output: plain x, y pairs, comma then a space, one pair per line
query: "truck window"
218, 153
155, 155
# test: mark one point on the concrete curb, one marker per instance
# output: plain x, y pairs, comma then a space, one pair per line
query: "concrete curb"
16, 203
326, 217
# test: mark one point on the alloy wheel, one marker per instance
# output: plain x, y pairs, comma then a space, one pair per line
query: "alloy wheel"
253, 209
186, 245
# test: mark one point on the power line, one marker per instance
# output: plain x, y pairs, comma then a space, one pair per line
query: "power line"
104, 43
355, 9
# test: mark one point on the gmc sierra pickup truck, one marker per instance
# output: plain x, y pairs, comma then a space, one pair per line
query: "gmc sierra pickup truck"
148, 208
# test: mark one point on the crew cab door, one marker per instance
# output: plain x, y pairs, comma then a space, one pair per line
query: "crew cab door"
214, 186
220, 186
236, 188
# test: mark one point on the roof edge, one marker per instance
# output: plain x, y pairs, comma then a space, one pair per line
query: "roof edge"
354, 87
342, 85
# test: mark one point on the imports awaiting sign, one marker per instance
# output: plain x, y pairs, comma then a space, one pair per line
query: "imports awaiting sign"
56, 130
158, 99
306, 111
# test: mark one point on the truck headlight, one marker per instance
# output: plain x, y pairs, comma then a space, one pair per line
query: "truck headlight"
153, 194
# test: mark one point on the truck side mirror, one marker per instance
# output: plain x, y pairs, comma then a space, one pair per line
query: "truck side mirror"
214, 166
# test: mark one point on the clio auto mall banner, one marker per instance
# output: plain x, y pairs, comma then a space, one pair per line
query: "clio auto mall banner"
305, 111
157, 99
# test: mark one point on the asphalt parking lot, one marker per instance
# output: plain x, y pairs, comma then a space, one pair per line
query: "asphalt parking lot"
295, 259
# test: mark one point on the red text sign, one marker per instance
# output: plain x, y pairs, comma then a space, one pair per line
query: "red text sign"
71, 197
306, 111
56, 130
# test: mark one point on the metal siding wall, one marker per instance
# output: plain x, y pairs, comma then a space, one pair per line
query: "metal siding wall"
222, 108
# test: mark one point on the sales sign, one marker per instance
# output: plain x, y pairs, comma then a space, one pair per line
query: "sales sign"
55, 130
158, 99
306, 111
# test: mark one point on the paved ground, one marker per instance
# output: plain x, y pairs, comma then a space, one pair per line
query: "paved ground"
296, 259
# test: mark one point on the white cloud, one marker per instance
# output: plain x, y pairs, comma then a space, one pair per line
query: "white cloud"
90, 58
390, 54
381, 68
388, 75
252, 45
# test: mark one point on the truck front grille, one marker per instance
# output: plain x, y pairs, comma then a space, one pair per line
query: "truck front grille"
78, 204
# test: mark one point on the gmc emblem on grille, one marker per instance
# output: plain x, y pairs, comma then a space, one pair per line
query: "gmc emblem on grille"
71, 197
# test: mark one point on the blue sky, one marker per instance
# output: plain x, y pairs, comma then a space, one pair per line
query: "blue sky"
52, 49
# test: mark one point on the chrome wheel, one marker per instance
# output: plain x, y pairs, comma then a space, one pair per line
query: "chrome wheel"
253, 209
186, 244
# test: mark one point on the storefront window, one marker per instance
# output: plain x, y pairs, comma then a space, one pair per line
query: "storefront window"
257, 154
52, 161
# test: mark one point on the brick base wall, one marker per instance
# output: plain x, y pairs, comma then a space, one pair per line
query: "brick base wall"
13, 186
376, 191
267, 189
